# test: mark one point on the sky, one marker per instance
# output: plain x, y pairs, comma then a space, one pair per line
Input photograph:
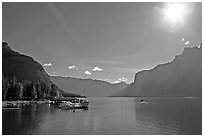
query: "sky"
104, 41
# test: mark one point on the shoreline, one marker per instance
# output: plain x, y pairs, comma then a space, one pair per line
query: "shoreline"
21, 102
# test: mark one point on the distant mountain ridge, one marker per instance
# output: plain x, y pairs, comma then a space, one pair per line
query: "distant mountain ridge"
180, 77
25, 68
88, 87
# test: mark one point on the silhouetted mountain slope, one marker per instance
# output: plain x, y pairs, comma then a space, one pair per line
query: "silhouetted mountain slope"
181, 77
88, 87
24, 68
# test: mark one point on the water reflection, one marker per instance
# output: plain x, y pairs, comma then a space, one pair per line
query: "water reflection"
170, 115
25, 120
109, 116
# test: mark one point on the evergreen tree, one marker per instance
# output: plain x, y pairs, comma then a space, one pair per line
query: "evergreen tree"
11, 94
33, 91
5, 87
45, 91
26, 89
54, 90
19, 91
42, 96
38, 90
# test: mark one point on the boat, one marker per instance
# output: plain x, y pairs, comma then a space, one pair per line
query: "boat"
74, 103
11, 106
143, 102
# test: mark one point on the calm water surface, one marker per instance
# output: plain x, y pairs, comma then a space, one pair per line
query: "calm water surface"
109, 116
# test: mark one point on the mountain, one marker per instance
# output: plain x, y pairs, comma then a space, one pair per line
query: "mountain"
88, 87
180, 77
25, 68
22, 66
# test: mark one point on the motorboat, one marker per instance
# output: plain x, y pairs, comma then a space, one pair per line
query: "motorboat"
76, 103
143, 102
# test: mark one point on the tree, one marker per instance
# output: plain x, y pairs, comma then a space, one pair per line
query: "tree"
38, 90
11, 94
5, 87
33, 91
54, 90
26, 89
45, 90
19, 90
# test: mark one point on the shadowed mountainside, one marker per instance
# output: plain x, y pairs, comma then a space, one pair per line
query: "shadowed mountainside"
25, 68
180, 77
88, 87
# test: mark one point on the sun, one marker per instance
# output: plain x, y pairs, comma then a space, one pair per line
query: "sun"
174, 15
175, 12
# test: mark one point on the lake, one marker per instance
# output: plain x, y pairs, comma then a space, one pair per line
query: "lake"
110, 116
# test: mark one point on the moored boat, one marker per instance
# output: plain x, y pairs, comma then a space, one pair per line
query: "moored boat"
10, 106
74, 103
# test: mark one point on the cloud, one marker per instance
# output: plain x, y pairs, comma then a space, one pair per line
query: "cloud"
187, 42
97, 69
199, 46
123, 79
87, 72
120, 80
47, 65
73, 67
117, 81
